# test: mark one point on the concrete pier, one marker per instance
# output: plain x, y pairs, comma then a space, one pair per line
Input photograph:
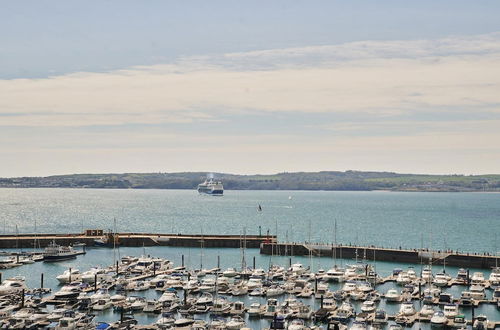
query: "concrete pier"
134, 239
415, 256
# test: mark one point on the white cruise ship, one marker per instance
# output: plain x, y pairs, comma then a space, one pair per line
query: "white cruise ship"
211, 187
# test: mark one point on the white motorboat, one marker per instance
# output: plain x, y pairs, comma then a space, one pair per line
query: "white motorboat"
102, 304
69, 275
427, 274
165, 321
274, 291
152, 306
255, 310
495, 276
477, 292
349, 286
334, 275
237, 308
230, 272
407, 309
481, 322
221, 307
66, 323
368, 306
392, 295
380, 317
138, 304
403, 278
438, 319
427, 310
13, 285
297, 269
69, 291
450, 311
441, 279
101, 274
236, 322
100, 294
477, 278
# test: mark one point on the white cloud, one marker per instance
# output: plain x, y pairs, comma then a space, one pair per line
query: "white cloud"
377, 77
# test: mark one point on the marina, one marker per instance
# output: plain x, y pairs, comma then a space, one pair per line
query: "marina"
204, 290
274, 272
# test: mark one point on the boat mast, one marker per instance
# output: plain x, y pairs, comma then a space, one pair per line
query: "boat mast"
335, 243
201, 249
114, 241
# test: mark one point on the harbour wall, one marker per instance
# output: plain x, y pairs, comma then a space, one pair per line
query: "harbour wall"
382, 254
134, 240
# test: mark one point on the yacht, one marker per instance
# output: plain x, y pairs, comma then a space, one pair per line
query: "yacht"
335, 275
236, 322
495, 276
211, 187
55, 252
237, 308
69, 291
102, 304
441, 279
462, 276
380, 317
13, 285
427, 274
481, 322
477, 292
407, 309
69, 276
427, 311
438, 319
496, 294
368, 306
392, 295
450, 310
477, 278
255, 310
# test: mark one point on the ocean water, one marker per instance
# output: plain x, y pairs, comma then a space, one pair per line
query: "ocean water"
437, 220
458, 221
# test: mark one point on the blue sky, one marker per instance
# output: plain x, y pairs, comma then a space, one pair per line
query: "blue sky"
254, 87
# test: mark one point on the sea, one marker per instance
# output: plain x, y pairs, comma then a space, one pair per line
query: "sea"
458, 221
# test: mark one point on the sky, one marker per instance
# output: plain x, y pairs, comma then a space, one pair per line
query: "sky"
249, 87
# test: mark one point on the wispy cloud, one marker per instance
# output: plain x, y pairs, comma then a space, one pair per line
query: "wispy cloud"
379, 77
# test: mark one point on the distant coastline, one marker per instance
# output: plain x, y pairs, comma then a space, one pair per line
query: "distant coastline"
324, 180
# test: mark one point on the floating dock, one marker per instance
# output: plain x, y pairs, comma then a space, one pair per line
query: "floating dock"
370, 253
134, 239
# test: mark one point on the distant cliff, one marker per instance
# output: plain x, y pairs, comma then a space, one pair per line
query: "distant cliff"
326, 180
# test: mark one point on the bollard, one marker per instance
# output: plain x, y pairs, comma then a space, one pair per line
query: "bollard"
95, 282
260, 231
69, 279
22, 298
17, 258
290, 262
154, 268
218, 262
0, 277
182, 260
316, 285
116, 268
41, 281
321, 302
253, 262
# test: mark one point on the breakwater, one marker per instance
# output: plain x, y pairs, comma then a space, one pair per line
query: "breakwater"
133, 239
370, 253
